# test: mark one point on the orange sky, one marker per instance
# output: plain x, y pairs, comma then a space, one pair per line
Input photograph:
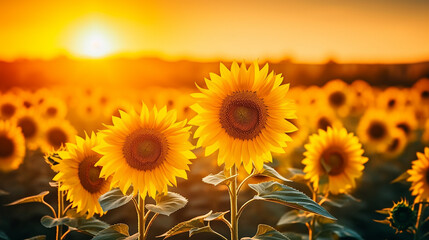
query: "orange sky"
308, 31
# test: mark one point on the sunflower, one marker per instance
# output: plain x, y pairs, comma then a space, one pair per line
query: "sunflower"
243, 115
374, 130
322, 118
53, 108
311, 97
391, 98
397, 143
338, 96
30, 123
406, 121
56, 133
9, 105
336, 156
12, 146
27, 99
363, 97
421, 87
148, 151
78, 176
419, 176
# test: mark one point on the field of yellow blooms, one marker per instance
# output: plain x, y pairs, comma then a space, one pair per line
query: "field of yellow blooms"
246, 156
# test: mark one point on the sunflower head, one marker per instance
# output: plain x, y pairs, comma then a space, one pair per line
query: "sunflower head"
55, 134
402, 216
147, 150
12, 146
333, 160
8, 105
374, 130
419, 176
78, 175
242, 114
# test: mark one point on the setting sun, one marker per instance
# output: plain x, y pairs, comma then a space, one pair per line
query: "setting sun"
96, 45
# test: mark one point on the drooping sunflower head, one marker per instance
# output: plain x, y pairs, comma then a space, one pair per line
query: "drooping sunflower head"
243, 113
419, 176
333, 157
147, 150
56, 133
12, 146
78, 176
402, 216
374, 130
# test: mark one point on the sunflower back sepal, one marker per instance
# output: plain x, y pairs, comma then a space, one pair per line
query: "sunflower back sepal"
266, 232
116, 231
401, 178
294, 216
332, 229
219, 178
276, 192
167, 204
114, 199
36, 198
271, 172
91, 226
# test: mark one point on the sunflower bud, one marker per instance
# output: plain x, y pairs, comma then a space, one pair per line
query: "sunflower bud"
402, 216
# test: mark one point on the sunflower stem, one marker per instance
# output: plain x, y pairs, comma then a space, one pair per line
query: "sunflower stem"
141, 219
419, 214
233, 201
60, 211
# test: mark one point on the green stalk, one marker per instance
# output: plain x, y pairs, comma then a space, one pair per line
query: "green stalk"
233, 201
60, 211
141, 219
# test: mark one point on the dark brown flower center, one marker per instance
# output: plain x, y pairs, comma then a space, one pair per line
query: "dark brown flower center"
145, 149
337, 99
52, 111
57, 137
323, 123
393, 145
27, 104
7, 147
89, 175
8, 110
28, 126
243, 115
333, 162
404, 127
425, 94
377, 130
391, 103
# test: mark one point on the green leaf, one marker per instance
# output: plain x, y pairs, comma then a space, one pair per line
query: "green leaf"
279, 193
216, 216
114, 199
196, 222
3, 236
2, 193
36, 198
340, 200
340, 231
266, 232
294, 216
216, 179
167, 204
39, 237
401, 178
91, 226
271, 172
117, 231
194, 231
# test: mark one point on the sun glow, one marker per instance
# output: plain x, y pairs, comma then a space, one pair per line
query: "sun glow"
96, 45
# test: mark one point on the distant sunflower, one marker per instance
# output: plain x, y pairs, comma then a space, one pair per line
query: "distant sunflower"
419, 176
9, 105
397, 143
421, 87
406, 121
183, 106
53, 108
27, 99
56, 133
30, 123
148, 151
374, 130
243, 115
338, 96
363, 97
79, 177
312, 97
391, 98
336, 155
322, 118
12, 146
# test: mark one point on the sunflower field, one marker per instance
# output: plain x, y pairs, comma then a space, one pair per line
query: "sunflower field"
244, 156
